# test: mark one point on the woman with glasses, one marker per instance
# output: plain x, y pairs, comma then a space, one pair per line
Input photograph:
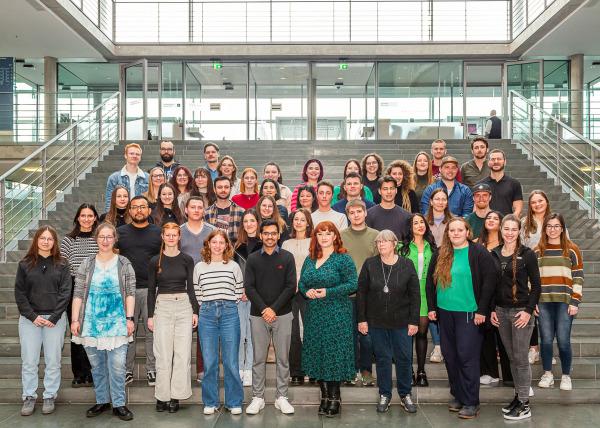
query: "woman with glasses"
271, 187
157, 177
182, 182
118, 213
438, 214
561, 271
266, 209
227, 168
102, 312
42, 294
372, 168
203, 187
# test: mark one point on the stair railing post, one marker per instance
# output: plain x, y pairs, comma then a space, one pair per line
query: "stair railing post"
558, 166
2, 221
592, 190
530, 131
100, 134
75, 155
44, 183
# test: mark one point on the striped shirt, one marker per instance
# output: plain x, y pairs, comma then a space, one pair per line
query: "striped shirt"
562, 278
218, 281
77, 249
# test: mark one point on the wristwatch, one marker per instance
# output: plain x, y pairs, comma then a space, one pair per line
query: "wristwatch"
129, 318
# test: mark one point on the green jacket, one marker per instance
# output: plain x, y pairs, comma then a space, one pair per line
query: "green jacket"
414, 257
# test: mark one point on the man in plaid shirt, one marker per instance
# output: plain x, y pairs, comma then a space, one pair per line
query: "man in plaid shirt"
224, 214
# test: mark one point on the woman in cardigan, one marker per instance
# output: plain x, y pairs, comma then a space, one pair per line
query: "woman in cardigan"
406, 196
418, 245
387, 305
118, 213
460, 287
103, 306
328, 277
561, 271
515, 304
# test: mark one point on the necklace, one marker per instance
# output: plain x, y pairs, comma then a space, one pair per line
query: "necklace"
386, 280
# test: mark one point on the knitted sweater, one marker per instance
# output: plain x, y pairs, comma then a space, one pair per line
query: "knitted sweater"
562, 278
77, 249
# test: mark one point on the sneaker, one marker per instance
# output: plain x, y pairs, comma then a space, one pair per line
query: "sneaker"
256, 406
128, 378
247, 381
367, 379
565, 383
546, 381
235, 410
520, 411
468, 412
486, 380
210, 410
436, 355
384, 403
534, 356
28, 406
553, 360
242, 375
455, 405
48, 406
284, 405
351, 382
512, 405
151, 378
531, 394
408, 404
199, 377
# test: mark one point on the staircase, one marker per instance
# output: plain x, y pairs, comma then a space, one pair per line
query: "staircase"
291, 157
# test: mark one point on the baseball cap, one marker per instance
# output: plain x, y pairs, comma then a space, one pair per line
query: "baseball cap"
481, 188
449, 159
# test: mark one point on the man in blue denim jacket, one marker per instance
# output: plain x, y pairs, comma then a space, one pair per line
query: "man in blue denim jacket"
131, 176
460, 198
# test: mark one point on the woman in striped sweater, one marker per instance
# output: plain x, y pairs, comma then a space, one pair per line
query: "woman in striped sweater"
561, 271
218, 283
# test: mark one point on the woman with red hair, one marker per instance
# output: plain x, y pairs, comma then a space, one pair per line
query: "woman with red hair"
312, 173
248, 198
328, 277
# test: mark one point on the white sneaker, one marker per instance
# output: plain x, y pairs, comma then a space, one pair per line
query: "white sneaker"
486, 380
284, 405
531, 394
256, 406
533, 356
210, 410
565, 383
242, 375
553, 360
235, 410
247, 379
199, 377
436, 355
546, 381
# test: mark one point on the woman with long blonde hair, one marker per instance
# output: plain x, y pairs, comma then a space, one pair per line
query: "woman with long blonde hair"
406, 196
157, 177
461, 282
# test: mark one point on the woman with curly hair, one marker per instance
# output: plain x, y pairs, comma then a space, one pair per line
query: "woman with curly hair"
406, 196
203, 187
372, 169
182, 182
167, 208
423, 174
327, 279
219, 286
312, 173
118, 213
228, 168
461, 282
339, 193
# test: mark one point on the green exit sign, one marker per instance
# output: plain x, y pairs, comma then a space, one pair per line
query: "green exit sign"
217, 65
343, 67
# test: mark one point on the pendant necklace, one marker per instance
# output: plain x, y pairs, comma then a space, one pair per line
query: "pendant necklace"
386, 280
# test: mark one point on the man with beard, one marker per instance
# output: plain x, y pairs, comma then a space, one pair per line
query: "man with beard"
167, 162
224, 214
460, 198
507, 191
211, 154
482, 194
477, 168
438, 152
139, 241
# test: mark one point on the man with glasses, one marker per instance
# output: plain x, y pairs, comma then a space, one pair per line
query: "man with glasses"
131, 176
482, 195
211, 154
167, 162
139, 241
508, 194
460, 198
224, 214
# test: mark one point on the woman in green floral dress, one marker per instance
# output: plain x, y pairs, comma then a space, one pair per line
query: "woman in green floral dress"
328, 277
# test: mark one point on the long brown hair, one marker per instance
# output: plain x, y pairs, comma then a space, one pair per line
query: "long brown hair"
379, 160
33, 255
166, 227
484, 235
276, 217
441, 275
309, 223
512, 217
342, 194
530, 225
565, 243
77, 226
111, 215
447, 214
407, 180
150, 194
430, 179
235, 168
315, 251
160, 213
210, 194
227, 253
173, 181
242, 234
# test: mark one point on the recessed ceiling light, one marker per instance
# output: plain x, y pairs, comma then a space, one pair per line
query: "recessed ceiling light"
282, 68
282, 78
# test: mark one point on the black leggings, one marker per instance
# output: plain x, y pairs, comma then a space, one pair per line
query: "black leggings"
421, 343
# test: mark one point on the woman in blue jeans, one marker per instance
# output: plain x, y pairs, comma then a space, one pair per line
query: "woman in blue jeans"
42, 293
218, 284
102, 320
561, 270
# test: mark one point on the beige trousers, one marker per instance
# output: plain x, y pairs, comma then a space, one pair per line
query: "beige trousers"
173, 347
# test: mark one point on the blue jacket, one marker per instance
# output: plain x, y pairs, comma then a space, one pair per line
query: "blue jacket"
460, 200
121, 178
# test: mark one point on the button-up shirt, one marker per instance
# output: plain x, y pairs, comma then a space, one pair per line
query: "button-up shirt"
460, 199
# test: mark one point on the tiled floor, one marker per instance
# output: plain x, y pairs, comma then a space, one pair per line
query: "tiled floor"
429, 415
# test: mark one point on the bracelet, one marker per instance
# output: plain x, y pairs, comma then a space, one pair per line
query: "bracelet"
74, 321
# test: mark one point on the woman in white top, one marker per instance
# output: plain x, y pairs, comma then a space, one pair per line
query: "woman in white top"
219, 285
298, 245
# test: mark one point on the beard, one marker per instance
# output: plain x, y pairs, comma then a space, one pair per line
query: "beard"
140, 220
166, 157
480, 156
498, 169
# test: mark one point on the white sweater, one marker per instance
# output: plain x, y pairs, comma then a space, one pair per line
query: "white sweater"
218, 281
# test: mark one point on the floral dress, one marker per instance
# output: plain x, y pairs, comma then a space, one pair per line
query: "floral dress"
328, 348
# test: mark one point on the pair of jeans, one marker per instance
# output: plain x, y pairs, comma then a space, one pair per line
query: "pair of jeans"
363, 345
219, 322
245, 352
435, 333
516, 342
554, 319
108, 371
393, 344
141, 311
32, 338
298, 311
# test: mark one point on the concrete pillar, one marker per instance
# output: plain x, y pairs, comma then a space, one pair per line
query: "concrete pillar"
50, 98
577, 96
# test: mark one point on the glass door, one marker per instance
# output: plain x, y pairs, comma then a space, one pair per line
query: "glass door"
133, 84
526, 77
483, 93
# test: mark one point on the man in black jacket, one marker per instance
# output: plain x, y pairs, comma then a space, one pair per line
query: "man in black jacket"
167, 162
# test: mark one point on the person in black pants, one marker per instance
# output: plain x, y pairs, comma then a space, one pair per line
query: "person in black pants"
461, 281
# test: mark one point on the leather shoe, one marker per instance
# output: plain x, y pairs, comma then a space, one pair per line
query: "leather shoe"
87, 381
77, 382
123, 413
173, 406
297, 381
97, 409
161, 406
422, 379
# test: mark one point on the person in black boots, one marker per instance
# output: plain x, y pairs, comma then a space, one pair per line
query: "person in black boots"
76, 247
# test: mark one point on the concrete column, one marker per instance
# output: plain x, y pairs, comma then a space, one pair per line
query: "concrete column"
577, 107
50, 98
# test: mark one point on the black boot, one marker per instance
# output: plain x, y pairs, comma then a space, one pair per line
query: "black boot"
173, 406
161, 406
422, 379
324, 396
334, 402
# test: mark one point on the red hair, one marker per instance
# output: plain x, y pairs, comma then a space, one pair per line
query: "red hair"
315, 252
166, 227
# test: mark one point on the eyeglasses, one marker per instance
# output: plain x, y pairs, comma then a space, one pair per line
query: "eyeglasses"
106, 238
166, 150
496, 159
139, 208
270, 233
372, 163
157, 175
44, 239
382, 241
553, 226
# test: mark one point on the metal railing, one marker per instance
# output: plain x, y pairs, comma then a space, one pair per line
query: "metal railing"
524, 12
565, 154
36, 184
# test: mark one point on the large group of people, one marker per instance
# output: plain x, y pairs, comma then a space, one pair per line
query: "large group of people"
330, 277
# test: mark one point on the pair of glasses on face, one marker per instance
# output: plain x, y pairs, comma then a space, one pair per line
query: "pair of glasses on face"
139, 208
267, 234
553, 227
166, 150
106, 238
